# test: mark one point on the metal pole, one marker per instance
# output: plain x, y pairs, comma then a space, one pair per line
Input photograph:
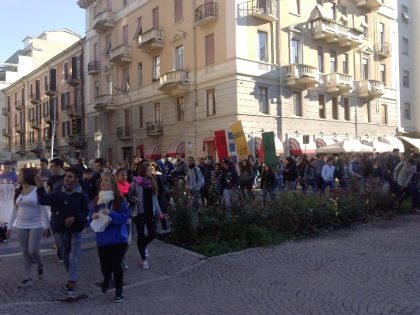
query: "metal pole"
52, 137
98, 150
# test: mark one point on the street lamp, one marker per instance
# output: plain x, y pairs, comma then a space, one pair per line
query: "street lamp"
97, 137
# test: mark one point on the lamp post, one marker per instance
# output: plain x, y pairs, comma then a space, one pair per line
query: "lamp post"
97, 137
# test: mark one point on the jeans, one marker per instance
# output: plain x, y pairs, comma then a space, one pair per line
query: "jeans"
110, 257
227, 198
142, 220
70, 244
269, 191
326, 184
290, 185
279, 185
30, 240
313, 184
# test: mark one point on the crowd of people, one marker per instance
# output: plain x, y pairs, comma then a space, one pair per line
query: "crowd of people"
64, 200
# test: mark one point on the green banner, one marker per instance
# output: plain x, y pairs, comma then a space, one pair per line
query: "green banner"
269, 147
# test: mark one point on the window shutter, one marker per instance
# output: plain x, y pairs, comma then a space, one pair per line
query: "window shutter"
209, 42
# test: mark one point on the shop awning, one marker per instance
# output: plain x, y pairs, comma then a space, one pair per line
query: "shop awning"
296, 146
394, 142
209, 140
378, 146
346, 146
177, 148
322, 142
412, 141
153, 152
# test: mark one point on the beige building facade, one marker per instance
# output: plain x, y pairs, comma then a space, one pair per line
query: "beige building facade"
44, 110
162, 75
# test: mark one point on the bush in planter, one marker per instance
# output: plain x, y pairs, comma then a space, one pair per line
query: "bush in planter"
183, 231
352, 208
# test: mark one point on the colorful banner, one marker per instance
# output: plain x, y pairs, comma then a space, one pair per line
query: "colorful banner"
221, 145
232, 148
240, 140
269, 147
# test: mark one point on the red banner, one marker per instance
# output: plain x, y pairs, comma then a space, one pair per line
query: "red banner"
221, 144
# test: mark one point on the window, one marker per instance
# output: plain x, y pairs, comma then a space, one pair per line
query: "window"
125, 34
297, 104
139, 29
365, 68
384, 114
210, 49
78, 96
262, 46
65, 126
294, 51
334, 102
365, 25
96, 51
96, 123
333, 61
140, 73
405, 46
125, 83
65, 100
156, 107
263, 100
368, 112
346, 106
321, 106
155, 17
109, 84
178, 10
346, 63
156, 68
179, 58
141, 117
295, 8
321, 59
96, 92
210, 102
404, 13
407, 111
381, 33
110, 123
66, 71
125, 2
107, 49
406, 79
382, 70
180, 108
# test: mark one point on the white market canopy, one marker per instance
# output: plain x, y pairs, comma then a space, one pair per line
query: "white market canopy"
379, 146
346, 146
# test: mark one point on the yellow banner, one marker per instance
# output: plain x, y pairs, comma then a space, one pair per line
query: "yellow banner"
240, 140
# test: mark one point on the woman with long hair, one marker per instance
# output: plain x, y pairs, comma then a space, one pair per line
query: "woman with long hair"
112, 242
246, 177
268, 183
31, 223
143, 191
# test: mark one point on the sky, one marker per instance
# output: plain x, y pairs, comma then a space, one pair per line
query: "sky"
21, 18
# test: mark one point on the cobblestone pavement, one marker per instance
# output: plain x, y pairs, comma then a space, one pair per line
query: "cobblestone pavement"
370, 269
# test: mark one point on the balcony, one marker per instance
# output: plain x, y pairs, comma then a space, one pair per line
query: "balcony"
369, 89
5, 111
77, 141
264, 10
19, 149
174, 83
124, 133
105, 104
74, 110
19, 105
50, 90
337, 83
35, 98
94, 67
120, 55
20, 128
370, 5
150, 41
300, 76
6, 132
36, 124
103, 21
384, 49
206, 13
332, 32
75, 80
47, 117
35, 146
154, 128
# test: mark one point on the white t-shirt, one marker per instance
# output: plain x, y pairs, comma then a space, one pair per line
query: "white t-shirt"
28, 213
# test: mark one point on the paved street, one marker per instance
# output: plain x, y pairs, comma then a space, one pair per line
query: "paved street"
370, 269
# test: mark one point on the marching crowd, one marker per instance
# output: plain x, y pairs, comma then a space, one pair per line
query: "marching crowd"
64, 200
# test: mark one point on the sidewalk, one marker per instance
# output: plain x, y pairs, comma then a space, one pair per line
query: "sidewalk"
369, 269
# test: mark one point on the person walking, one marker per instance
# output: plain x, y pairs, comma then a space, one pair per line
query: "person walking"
71, 208
229, 182
246, 177
290, 174
124, 187
328, 171
195, 182
268, 183
143, 194
215, 186
32, 223
112, 241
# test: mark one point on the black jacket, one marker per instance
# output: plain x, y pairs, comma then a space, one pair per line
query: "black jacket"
268, 180
64, 205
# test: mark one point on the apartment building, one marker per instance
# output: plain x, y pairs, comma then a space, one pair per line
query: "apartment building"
44, 109
409, 59
35, 52
164, 75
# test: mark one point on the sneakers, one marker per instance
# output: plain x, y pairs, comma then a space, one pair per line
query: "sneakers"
70, 295
40, 272
27, 283
124, 264
146, 252
145, 265
118, 296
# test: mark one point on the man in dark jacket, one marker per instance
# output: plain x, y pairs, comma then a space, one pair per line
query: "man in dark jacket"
71, 207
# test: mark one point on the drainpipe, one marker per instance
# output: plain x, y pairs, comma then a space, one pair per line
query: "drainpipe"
195, 77
278, 62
